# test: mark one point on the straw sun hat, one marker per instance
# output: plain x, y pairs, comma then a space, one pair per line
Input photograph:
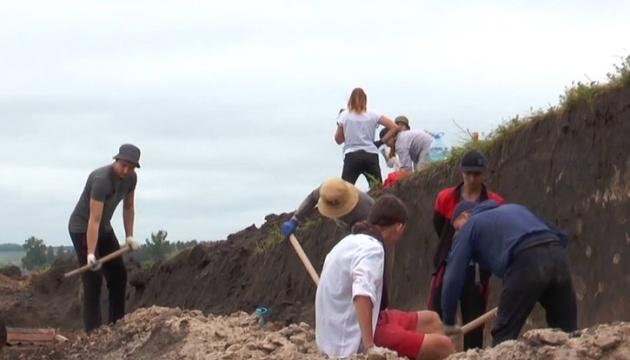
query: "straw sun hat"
337, 197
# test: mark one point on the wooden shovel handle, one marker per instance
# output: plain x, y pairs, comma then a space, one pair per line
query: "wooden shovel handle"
118, 253
479, 321
307, 263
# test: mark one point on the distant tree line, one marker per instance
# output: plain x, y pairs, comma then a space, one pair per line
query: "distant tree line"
10, 247
155, 249
39, 256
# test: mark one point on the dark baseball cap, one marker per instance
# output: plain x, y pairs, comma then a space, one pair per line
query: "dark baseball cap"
473, 160
129, 153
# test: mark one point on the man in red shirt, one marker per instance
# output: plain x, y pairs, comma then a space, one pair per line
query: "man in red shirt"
475, 292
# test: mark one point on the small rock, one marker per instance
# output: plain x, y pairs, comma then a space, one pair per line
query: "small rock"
268, 346
606, 341
546, 337
298, 339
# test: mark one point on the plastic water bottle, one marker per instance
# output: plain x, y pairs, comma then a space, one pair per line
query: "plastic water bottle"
261, 312
439, 149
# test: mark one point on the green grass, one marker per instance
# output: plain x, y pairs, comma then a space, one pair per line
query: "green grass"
11, 258
577, 93
581, 92
273, 238
312, 223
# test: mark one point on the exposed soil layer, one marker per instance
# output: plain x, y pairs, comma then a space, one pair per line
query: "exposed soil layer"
571, 168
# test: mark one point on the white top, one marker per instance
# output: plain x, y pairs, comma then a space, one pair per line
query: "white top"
353, 267
410, 144
359, 130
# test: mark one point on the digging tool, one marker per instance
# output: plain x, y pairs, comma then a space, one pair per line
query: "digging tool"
479, 321
302, 255
465, 329
120, 252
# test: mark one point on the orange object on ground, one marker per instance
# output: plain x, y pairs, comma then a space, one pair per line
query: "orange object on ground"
393, 176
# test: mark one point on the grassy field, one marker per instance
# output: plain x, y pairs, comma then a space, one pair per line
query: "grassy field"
11, 257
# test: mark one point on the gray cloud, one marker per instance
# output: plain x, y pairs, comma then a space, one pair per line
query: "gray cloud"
233, 104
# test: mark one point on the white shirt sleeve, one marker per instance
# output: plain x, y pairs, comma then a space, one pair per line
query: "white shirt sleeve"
367, 272
374, 117
341, 118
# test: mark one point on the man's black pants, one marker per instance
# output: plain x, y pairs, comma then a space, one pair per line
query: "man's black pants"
472, 302
361, 163
539, 274
115, 275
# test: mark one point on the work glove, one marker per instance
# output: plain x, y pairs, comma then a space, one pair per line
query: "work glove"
94, 264
450, 330
132, 243
288, 227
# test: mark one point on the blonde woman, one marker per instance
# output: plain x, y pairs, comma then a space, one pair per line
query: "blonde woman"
356, 128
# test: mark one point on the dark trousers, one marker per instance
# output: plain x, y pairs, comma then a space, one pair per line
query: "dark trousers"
472, 303
361, 163
540, 274
115, 275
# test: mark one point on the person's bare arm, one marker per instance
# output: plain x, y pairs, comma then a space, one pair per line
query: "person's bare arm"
392, 128
339, 135
94, 222
129, 213
363, 307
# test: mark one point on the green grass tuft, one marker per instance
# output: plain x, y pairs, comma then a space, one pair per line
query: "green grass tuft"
273, 238
574, 95
313, 223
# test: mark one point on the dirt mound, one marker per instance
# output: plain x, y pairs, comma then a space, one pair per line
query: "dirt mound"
599, 342
11, 271
171, 333
42, 299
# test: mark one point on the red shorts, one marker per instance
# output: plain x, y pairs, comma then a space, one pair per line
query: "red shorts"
396, 330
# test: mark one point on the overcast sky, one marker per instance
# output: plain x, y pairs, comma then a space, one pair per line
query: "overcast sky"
234, 103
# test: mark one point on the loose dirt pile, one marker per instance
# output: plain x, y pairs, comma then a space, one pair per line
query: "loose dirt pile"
171, 333
599, 342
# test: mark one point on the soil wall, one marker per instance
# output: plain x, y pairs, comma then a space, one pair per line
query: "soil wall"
571, 168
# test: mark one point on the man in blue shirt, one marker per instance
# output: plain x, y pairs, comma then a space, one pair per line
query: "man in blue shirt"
526, 252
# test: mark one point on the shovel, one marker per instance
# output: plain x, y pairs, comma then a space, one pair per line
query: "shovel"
307, 263
118, 253
479, 321
457, 337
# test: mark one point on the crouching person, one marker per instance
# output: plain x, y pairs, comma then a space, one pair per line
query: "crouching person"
526, 252
351, 312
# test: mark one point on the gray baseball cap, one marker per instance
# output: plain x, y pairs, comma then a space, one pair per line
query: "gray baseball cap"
130, 153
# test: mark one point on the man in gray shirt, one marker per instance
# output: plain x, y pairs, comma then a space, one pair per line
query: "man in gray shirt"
411, 146
93, 236
336, 199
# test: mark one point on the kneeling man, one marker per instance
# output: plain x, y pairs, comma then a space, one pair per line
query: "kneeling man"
351, 312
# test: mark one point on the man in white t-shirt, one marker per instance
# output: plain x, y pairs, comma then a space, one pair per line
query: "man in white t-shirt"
351, 312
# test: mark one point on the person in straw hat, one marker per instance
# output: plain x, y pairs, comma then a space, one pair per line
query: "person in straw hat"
336, 199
